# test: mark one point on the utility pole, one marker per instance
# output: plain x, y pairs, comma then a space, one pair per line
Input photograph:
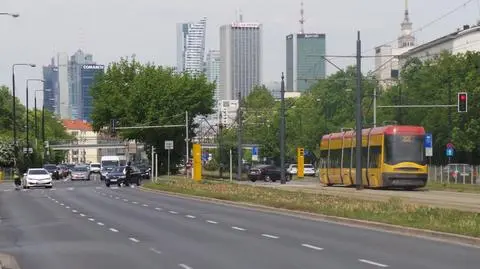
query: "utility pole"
239, 137
358, 117
375, 107
282, 131
187, 143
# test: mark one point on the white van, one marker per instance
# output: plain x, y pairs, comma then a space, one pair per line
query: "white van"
107, 163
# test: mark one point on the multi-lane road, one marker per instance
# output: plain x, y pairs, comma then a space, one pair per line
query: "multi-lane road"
85, 225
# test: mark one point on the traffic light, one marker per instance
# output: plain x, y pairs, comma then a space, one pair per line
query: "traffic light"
462, 102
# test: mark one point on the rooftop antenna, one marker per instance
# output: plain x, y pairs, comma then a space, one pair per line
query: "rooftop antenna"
302, 19
240, 15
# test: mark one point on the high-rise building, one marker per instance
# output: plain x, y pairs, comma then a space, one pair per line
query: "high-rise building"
77, 61
63, 100
191, 46
50, 87
88, 74
387, 64
305, 60
212, 70
240, 59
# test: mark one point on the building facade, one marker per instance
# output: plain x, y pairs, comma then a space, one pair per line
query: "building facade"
77, 61
240, 59
50, 87
63, 100
305, 60
88, 74
212, 70
191, 46
84, 135
387, 63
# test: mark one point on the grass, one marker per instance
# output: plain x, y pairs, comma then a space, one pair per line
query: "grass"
393, 211
467, 188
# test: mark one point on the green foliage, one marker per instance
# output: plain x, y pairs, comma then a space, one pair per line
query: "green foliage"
141, 95
54, 130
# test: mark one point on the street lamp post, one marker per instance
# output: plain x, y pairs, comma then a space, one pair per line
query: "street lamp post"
14, 104
282, 131
27, 125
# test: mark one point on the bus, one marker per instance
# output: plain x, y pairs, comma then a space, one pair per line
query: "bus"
392, 157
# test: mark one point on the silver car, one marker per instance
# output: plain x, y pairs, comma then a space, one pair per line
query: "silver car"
80, 173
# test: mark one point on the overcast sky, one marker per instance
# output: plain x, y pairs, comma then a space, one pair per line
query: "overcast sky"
110, 29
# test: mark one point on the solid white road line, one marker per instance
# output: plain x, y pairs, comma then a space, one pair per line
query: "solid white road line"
172, 212
134, 239
238, 228
312, 247
211, 222
185, 266
270, 236
190, 216
101, 224
156, 251
373, 263
113, 230
91, 219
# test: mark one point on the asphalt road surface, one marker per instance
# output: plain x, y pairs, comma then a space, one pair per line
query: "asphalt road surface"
446, 199
80, 225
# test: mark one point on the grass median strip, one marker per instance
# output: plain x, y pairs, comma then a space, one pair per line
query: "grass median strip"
393, 211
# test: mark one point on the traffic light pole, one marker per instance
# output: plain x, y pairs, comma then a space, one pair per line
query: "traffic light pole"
418, 106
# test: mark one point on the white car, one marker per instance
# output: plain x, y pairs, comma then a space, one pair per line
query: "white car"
95, 168
309, 170
37, 177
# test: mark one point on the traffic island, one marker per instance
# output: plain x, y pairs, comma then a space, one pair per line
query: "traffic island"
393, 212
8, 262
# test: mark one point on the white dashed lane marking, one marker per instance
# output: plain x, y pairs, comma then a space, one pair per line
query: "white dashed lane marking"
156, 251
82, 215
91, 219
172, 212
270, 236
190, 216
158, 208
113, 230
373, 263
185, 266
74, 211
134, 239
312, 247
101, 224
211, 222
238, 228
145, 205
136, 203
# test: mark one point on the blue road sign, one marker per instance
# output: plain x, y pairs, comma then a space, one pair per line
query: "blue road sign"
449, 152
255, 151
428, 140
205, 156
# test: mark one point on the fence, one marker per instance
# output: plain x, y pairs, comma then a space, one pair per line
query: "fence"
454, 173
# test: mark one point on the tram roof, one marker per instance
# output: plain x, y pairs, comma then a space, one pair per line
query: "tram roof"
388, 130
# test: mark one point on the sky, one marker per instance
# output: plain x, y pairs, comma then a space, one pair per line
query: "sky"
110, 29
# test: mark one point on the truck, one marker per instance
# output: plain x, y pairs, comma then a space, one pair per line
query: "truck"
107, 163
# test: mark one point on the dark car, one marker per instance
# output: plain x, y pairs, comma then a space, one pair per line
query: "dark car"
53, 171
265, 172
145, 171
117, 176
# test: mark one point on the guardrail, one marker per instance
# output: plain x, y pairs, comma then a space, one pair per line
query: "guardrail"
456, 174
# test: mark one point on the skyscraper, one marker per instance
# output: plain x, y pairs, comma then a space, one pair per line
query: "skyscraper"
50, 87
191, 46
88, 74
63, 103
75, 65
212, 70
305, 62
240, 59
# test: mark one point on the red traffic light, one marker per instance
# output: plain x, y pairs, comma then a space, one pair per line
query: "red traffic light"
463, 97
462, 102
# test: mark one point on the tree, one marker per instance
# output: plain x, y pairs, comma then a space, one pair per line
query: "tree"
144, 95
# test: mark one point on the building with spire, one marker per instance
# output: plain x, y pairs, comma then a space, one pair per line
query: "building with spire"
305, 58
387, 66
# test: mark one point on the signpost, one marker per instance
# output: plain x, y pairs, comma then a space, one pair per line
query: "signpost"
168, 147
255, 154
428, 145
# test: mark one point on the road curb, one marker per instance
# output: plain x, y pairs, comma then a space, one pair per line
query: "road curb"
8, 262
364, 224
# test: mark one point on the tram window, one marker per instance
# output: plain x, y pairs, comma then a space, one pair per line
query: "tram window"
374, 156
346, 158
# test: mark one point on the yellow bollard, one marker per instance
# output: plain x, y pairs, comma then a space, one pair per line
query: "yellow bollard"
300, 162
197, 162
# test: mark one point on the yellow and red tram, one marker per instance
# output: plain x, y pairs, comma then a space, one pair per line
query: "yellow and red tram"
392, 157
